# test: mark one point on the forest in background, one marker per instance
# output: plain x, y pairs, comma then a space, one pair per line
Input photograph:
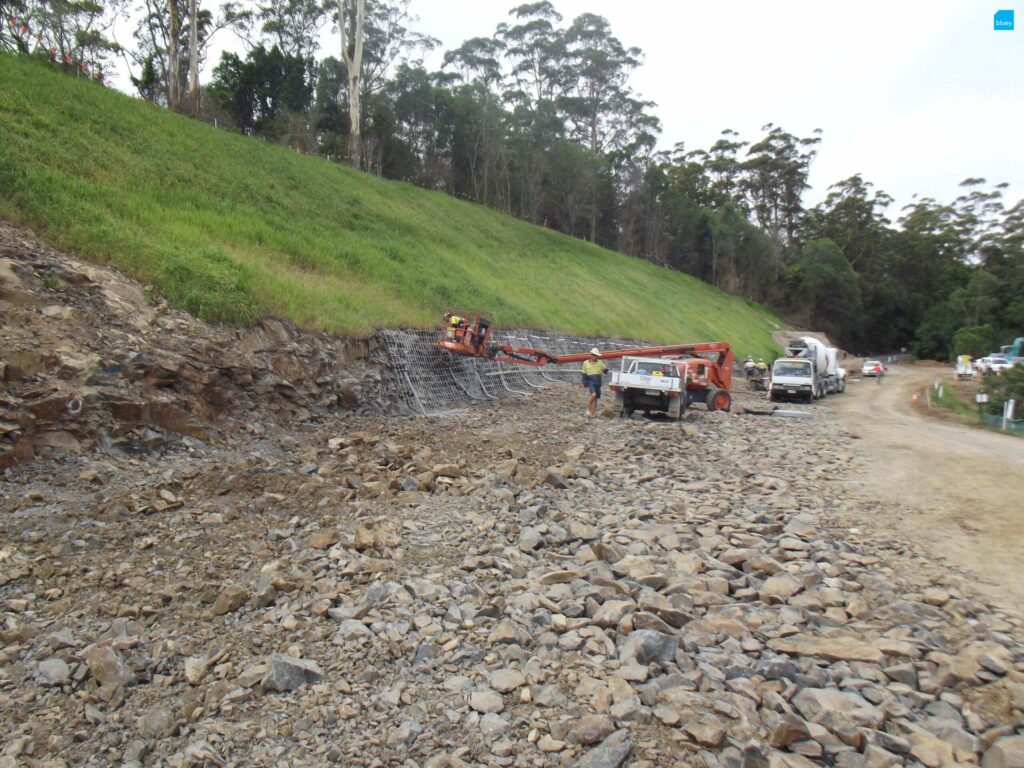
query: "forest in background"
538, 120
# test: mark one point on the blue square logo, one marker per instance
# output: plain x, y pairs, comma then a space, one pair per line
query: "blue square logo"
1004, 20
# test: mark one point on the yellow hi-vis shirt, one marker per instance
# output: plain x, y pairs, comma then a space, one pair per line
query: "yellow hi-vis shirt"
593, 367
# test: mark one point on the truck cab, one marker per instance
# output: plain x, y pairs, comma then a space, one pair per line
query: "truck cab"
794, 378
825, 359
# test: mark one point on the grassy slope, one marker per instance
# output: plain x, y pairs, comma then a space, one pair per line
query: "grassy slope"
231, 228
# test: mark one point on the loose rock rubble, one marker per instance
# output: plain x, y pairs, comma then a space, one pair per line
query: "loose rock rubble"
511, 586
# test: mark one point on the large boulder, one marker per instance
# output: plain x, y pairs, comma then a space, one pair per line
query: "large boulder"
286, 673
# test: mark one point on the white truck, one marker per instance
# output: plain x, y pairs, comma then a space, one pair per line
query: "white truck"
794, 378
827, 378
964, 368
649, 384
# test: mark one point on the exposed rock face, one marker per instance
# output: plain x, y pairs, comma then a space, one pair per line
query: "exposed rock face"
88, 360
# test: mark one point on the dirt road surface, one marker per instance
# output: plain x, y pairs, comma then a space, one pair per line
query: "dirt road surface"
960, 490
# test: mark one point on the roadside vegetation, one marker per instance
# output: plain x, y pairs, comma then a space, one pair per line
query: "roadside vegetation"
231, 228
958, 398
1008, 385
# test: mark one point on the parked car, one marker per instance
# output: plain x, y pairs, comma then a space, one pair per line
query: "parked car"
868, 369
996, 364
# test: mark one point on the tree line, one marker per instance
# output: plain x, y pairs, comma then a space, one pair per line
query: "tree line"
539, 120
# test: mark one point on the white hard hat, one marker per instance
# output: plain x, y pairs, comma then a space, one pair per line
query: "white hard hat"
595, 351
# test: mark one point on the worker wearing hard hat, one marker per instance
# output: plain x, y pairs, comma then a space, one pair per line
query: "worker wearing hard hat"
762, 366
454, 323
590, 377
748, 367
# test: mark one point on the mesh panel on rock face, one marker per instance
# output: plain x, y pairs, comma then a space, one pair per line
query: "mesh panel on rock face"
418, 376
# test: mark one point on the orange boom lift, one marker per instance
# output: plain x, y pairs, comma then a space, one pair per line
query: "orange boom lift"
710, 363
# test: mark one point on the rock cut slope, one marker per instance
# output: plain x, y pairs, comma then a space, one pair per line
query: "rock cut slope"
88, 359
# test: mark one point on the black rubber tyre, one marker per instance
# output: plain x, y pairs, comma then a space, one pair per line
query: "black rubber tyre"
719, 400
676, 411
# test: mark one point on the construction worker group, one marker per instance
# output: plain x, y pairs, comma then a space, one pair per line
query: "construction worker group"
750, 368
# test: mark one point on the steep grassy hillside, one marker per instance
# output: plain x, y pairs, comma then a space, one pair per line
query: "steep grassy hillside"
231, 228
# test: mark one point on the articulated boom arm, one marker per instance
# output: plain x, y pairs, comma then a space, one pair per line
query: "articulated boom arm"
529, 356
463, 333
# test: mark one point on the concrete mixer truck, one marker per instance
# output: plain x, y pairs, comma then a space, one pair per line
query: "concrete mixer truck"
809, 371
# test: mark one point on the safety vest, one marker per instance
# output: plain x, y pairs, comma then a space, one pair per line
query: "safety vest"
593, 367
455, 320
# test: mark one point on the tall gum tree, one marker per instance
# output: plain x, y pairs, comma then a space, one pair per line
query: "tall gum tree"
600, 107
193, 58
174, 55
351, 23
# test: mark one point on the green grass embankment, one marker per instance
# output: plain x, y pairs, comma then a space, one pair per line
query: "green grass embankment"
954, 398
231, 228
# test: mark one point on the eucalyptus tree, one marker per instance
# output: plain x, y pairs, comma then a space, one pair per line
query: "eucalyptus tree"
533, 133
171, 41
536, 52
294, 26
351, 26
479, 139
852, 215
775, 179
14, 31
602, 110
76, 34
376, 36
726, 171
978, 213
477, 60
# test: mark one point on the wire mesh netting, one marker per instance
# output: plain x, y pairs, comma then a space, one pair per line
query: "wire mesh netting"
418, 376
1007, 425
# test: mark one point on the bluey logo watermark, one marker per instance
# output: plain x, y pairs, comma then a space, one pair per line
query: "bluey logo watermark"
1003, 20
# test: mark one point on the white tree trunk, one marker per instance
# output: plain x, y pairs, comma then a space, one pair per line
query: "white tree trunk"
173, 57
193, 58
353, 12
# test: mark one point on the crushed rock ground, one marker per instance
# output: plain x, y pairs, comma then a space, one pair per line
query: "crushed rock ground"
228, 557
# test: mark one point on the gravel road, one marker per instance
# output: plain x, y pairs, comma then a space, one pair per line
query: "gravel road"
958, 491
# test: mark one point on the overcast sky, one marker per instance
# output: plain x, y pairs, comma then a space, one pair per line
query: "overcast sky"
915, 95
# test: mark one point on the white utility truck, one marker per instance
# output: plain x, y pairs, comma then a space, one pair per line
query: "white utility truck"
649, 384
964, 368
